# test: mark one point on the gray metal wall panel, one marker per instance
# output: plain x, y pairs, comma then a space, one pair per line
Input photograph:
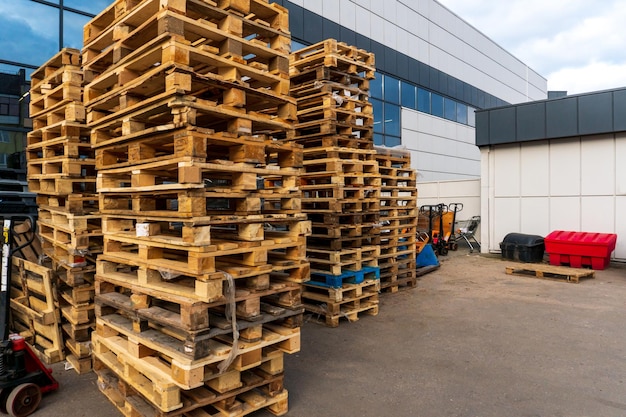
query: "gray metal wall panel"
619, 110
402, 66
595, 113
312, 27
502, 125
331, 30
482, 128
390, 61
562, 118
531, 121
296, 22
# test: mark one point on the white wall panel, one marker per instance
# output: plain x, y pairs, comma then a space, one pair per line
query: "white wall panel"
347, 13
507, 219
565, 167
535, 169
620, 227
598, 166
331, 10
363, 22
620, 166
565, 213
535, 219
390, 35
316, 6
378, 7
597, 214
507, 169
378, 28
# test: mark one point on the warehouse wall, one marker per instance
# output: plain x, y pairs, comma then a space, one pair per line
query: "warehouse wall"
440, 149
432, 34
576, 183
466, 192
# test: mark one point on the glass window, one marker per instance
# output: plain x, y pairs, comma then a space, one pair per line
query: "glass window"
73, 29
92, 6
461, 113
296, 46
392, 119
3, 159
392, 89
436, 105
376, 86
379, 139
377, 107
449, 109
471, 116
408, 95
392, 141
423, 100
9, 106
30, 32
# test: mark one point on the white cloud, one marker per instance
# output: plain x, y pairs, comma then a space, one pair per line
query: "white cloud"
560, 39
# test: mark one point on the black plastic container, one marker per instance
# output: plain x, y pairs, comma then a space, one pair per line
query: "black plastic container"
522, 248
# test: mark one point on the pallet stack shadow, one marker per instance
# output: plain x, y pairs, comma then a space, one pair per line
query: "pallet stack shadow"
61, 170
398, 219
341, 182
198, 291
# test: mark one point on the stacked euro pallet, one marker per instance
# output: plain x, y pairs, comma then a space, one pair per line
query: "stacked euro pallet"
198, 287
341, 182
61, 170
398, 219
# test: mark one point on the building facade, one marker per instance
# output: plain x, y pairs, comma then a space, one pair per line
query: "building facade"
433, 68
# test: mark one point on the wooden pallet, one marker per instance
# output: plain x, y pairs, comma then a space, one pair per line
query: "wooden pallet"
33, 309
63, 147
49, 185
337, 262
350, 309
172, 109
203, 231
178, 300
204, 145
316, 292
254, 19
74, 131
331, 53
256, 393
63, 60
62, 166
78, 204
328, 80
555, 273
115, 341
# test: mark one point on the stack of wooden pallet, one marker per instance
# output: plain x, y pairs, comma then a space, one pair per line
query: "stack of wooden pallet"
61, 170
341, 183
197, 291
398, 218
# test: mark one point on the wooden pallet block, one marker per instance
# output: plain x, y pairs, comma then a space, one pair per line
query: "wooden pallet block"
555, 273
65, 59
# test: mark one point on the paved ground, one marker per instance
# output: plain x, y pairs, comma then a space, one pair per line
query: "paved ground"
468, 341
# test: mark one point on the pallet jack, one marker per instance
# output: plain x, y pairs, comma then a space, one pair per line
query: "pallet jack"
23, 377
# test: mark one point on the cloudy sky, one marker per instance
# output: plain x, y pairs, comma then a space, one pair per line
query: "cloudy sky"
578, 45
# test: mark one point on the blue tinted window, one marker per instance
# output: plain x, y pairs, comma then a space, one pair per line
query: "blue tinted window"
73, 29
91, 6
449, 109
392, 141
377, 107
392, 89
436, 105
408, 95
379, 139
392, 119
30, 32
423, 100
461, 113
376, 86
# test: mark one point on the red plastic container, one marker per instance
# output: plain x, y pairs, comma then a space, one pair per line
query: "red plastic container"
580, 249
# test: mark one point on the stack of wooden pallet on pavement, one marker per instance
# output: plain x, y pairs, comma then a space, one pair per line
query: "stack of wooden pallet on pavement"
398, 219
61, 170
341, 184
198, 291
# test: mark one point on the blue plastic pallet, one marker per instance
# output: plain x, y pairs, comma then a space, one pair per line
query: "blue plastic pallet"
352, 277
